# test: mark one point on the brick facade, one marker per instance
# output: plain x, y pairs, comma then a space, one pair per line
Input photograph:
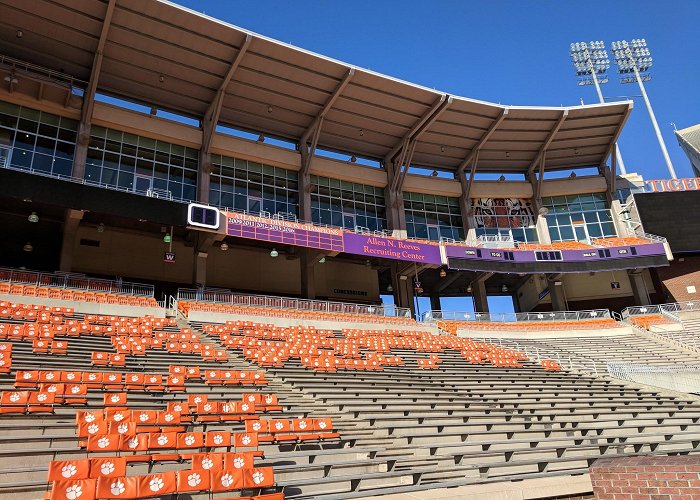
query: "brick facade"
647, 478
678, 276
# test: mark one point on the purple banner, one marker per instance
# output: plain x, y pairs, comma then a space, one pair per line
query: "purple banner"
391, 248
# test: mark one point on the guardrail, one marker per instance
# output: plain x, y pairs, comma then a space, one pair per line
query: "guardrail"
535, 353
271, 302
74, 282
683, 378
432, 316
667, 309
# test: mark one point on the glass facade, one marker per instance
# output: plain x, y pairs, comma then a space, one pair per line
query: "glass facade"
505, 217
36, 140
253, 187
347, 204
579, 217
431, 217
135, 163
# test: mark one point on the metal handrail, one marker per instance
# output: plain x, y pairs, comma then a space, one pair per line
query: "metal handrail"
290, 303
464, 316
75, 282
673, 307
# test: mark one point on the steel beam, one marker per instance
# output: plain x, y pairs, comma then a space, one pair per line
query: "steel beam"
482, 141
613, 141
327, 106
548, 141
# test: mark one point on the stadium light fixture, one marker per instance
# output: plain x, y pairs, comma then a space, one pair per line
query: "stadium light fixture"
389, 288
224, 246
591, 62
274, 253
28, 247
633, 61
33, 217
322, 260
101, 227
167, 238
443, 273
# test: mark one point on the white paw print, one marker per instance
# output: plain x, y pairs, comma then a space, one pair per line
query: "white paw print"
226, 480
75, 389
212, 374
162, 440
226, 408
156, 484
152, 380
93, 428
118, 417
269, 399
257, 426
302, 424
115, 399
92, 376
207, 407
177, 408
134, 378
189, 440
218, 439
74, 491
89, 417
103, 442
68, 470
14, 397
42, 397
107, 468
117, 488
243, 374
70, 376
207, 464
197, 399
251, 399
133, 443
258, 477
27, 376
122, 428
322, 424
246, 439
193, 479
143, 417
112, 378
279, 426
169, 417
52, 388
175, 380
238, 462
245, 407
227, 374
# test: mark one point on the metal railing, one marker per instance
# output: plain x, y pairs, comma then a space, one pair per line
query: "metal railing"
74, 282
683, 378
305, 305
431, 316
536, 353
663, 309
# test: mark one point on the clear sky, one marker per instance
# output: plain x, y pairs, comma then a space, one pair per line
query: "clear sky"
507, 51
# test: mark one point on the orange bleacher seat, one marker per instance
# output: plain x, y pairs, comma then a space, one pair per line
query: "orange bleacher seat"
72, 489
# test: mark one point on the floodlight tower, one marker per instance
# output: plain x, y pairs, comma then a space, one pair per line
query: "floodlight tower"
591, 63
633, 62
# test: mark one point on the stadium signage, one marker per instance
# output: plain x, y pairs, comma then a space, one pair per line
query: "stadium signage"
664, 185
391, 248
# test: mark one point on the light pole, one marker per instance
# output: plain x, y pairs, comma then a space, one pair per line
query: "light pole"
591, 63
633, 62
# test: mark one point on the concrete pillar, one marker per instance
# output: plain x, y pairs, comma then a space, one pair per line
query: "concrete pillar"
405, 295
81, 148
204, 177
70, 229
395, 214
200, 269
308, 275
481, 303
556, 292
305, 196
639, 287
435, 302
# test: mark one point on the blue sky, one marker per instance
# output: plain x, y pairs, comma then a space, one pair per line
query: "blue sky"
510, 51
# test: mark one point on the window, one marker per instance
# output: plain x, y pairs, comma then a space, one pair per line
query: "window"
253, 187
347, 204
432, 217
505, 217
141, 164
36, 140
579, 217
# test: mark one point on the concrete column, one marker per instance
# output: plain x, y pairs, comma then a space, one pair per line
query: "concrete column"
308, 275
81, 149
556, 293
639, 287
70, 229
435, 302
204, 177
200, 268
405, 295
395, 214
305, 196
481, 303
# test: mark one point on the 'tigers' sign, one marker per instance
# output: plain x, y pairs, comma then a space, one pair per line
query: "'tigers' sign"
685, 184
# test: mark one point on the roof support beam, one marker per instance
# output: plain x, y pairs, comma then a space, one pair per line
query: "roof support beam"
548, 141
211, 116
613, 141
484, 139
89, 96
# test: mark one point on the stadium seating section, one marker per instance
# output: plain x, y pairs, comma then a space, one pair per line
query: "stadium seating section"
97, 406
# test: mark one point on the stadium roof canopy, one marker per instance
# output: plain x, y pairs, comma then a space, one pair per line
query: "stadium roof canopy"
164, 55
